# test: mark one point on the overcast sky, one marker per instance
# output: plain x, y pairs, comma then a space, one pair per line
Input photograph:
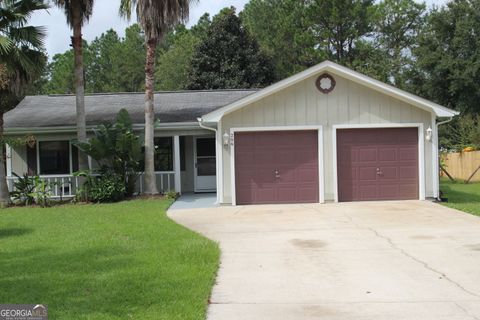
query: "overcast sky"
105, 16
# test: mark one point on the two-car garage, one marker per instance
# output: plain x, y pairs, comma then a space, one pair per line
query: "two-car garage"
327, 134
284, 167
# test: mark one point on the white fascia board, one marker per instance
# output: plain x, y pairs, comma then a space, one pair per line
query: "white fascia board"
328, 66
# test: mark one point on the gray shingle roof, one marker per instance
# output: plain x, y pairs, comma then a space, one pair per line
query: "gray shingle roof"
59, 110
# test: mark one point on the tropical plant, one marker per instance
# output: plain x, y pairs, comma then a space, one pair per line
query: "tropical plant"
23, 189
21, 61
42, 193
118, 149
77, 13
104, 187
155, 17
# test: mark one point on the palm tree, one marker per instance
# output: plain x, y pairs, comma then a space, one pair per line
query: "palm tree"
21, 60
78, 12
155, 17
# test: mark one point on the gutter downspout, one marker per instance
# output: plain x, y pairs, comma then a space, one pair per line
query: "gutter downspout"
438, 154
200, 123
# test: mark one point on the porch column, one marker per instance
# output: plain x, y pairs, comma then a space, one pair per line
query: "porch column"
8, 154
176, 164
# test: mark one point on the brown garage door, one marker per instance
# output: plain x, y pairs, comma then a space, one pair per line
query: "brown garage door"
276, 167
377, 164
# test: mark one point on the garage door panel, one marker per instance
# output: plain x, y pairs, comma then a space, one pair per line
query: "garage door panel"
293, 153
408, 154
387, 154
367, 174
408, 172
367, 154
386, 168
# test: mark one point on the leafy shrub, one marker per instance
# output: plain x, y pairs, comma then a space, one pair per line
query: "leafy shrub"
32, 190
171, 195
24, 188
42, 193
106, 187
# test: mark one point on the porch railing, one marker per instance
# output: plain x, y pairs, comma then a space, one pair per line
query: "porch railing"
65, 186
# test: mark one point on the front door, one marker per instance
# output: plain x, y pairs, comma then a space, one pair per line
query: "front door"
205, 165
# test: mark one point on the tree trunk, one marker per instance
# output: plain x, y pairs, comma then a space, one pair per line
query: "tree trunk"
150, 179
79, 89
4, 193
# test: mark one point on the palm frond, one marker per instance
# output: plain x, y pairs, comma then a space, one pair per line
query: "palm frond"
70, 7
157, 16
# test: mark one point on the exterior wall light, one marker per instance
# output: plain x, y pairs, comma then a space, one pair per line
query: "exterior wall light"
428, 135
226, 139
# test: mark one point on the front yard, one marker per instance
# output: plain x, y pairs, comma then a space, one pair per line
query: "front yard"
114, 261
465, 197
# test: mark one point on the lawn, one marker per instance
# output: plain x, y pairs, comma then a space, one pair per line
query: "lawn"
461, 196
114, 261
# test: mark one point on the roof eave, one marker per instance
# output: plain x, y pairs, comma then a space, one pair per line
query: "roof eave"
73, 129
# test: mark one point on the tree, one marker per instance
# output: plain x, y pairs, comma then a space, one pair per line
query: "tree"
101, 72
282, 29
77, 13
397, 26
339, 24
21, 61
105, 65
448, 56
155, 17
173, 64
229, 57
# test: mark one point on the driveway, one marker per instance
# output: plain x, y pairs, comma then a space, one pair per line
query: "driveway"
377, 260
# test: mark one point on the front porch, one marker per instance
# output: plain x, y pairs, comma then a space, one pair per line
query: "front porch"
183, 163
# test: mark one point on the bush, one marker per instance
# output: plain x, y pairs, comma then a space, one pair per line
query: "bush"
32, 190
24, 187
107, 187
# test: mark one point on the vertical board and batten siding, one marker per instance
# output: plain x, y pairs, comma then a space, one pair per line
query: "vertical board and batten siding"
302, 105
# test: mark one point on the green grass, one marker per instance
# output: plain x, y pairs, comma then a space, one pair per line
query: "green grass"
461, 196
114, 261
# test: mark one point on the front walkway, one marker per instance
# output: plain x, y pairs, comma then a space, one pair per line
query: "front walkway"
390, 260
195, 201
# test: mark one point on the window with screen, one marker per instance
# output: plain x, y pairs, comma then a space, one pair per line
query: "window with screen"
54, 157
164, 154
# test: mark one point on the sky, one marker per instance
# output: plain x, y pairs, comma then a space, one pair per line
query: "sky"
105, 16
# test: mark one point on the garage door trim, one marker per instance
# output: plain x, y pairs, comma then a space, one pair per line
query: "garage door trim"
319, 129
421, 150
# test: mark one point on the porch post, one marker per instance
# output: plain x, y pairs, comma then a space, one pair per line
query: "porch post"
176, 164
8, 154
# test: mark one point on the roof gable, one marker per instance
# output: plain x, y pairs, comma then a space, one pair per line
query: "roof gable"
336, 69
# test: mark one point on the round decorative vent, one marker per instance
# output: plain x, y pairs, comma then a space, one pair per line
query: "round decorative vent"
325, 83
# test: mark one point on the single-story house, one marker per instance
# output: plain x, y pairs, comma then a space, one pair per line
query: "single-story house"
325, 134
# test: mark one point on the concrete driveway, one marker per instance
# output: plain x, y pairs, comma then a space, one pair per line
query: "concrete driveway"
383, 260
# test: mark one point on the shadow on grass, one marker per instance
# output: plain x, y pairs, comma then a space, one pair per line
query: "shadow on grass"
14, 232
454, 195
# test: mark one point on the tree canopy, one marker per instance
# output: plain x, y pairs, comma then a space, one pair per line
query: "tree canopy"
229, 57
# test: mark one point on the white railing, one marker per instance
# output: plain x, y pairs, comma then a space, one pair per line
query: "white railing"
165, 181
61, 186
65, 186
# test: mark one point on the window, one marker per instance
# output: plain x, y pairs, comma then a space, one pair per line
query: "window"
54, 157
164, 154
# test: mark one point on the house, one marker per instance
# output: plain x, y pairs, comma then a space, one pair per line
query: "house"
325, 134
